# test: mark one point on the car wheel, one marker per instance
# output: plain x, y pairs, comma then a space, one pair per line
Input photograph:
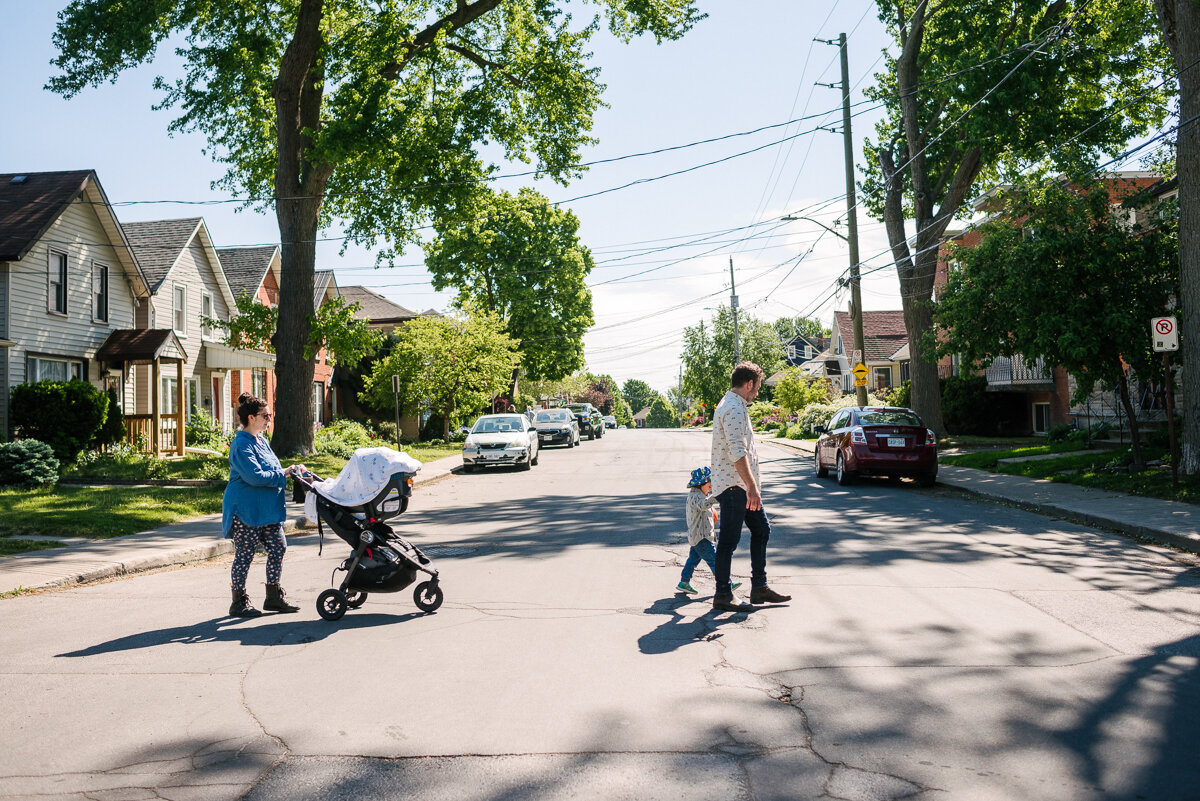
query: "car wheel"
591, 435
468, 468
927, 479
536, 454
822, 472
844, 476
570, 442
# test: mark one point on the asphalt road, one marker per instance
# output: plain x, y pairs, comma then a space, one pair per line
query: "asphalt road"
936, 648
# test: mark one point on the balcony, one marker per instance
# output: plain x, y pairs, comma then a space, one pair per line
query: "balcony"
1018, 372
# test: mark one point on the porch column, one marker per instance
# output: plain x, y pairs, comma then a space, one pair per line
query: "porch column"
155, 418
180, 412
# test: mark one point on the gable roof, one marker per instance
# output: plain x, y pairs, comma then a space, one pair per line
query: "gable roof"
141, 346
884, 334
158, 244
323, 282
245, 268
31, 202
375, 307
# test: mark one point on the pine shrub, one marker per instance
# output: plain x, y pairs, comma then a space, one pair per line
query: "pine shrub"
28, 462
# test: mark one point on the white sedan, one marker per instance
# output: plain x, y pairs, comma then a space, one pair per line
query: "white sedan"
501, 439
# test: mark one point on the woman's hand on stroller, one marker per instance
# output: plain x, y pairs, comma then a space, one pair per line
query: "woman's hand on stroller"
298, 470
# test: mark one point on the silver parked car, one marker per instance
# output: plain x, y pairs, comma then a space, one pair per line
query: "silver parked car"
501, 439
556, 426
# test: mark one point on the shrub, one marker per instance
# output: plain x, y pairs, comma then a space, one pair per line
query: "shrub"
203, 431
965, 408
899, 396
214, 470
435, 426
154, 467
1059, 433
63, 414
342, 438
27, 461
814, 416
385, 431
113, 429
761, 410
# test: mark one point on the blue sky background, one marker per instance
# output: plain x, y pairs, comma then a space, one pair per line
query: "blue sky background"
752, 63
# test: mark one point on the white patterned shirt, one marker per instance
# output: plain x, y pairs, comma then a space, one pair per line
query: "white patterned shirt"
733, 439
701, 525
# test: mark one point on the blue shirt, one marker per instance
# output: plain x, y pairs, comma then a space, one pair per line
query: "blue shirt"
255, 492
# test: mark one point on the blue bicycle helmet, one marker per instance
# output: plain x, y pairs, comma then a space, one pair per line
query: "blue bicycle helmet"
701, 475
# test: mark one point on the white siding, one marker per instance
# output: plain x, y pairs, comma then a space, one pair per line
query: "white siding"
79, 234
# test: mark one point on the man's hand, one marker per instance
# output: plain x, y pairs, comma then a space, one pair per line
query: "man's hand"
753, 499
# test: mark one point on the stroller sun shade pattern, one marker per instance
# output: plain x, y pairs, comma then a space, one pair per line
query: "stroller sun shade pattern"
373, 487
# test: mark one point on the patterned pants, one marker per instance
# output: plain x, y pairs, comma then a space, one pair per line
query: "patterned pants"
246, 539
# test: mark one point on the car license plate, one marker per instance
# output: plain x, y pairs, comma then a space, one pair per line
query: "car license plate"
895, 442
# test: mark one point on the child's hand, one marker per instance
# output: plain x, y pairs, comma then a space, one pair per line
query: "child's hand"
714, 511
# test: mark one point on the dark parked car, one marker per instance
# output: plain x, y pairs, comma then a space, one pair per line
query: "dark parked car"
591, 422
877, 440
556, 426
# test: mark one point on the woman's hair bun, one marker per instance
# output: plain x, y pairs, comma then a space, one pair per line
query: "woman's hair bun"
245, 397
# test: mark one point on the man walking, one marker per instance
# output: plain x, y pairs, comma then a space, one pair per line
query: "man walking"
735, 482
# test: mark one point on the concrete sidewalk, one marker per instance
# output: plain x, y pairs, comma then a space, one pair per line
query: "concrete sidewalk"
1170, 522
192, 540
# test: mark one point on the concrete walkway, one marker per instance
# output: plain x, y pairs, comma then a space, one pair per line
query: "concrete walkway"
1169, 522
81, 561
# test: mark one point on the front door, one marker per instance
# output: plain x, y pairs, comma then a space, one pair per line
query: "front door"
218, 404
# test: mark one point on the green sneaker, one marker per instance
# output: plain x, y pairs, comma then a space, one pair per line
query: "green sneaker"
685, 587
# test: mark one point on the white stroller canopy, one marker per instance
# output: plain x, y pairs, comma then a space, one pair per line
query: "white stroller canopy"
363, 478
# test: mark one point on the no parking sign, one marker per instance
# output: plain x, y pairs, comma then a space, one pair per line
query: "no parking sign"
1164, 333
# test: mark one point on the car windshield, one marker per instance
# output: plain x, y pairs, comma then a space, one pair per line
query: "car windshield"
499, 425
888, 417
578, 409
552, 417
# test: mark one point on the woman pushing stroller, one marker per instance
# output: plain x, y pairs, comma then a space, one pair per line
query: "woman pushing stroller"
253, 507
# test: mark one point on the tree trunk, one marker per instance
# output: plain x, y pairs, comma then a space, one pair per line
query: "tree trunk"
926, 389
1135, 438
1180, 22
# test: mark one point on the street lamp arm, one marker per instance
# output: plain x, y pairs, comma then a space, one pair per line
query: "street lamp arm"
793, 218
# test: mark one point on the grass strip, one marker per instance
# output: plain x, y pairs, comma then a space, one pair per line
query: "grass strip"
986, 460
101, 512
8, 546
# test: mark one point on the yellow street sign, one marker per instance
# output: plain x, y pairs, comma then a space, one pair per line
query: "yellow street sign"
860, 382
860, 372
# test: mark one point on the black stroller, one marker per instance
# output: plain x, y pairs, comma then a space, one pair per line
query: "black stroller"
382, 560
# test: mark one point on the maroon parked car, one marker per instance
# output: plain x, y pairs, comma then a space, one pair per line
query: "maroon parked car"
877, 440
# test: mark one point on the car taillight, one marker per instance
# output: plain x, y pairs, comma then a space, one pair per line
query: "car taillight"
930, 438
858, 435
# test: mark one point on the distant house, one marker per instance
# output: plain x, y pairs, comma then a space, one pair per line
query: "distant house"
68, 283
801, 349
381, 313
254, 273
639, 419
187, 283
885, 351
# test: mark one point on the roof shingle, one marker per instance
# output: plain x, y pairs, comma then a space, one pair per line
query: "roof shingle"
29, 207
245, 268
883, 333
157, 245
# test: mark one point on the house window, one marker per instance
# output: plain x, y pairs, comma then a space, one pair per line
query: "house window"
100, 292
166, 396
56, 283
179, 311
883, 378
904, 372
1041, 418
42, 369
258, 384
192, 398
791, 351
318, 402
206, 310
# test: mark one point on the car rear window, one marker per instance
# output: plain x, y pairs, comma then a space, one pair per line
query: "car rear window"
888, 417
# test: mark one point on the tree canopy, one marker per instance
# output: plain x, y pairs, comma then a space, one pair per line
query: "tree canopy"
637, 393
520, 256
346, 338
370, 114
708, 353
1059, 276
983, 90
455, 364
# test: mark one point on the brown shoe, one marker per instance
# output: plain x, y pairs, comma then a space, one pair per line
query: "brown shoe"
766, 595
726, 603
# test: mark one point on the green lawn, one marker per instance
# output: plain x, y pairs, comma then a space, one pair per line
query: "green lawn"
113, 511
987, 459
8, 546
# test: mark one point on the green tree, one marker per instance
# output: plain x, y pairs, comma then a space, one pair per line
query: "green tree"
452, 366
708, 353
981, 90
637, 394
521, 257
1059, 277
623, 412
661, 414
790, 327
346, 340
796, 389
369, 113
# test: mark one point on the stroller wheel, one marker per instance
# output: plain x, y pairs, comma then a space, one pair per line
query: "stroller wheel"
331, 604
355, 599
427, 596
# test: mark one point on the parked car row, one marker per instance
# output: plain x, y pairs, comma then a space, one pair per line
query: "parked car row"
514, 439
877, 440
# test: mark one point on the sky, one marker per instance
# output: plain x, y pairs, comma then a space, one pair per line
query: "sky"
662, 247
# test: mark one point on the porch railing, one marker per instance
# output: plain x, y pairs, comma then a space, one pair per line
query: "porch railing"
139, 432
1018, 370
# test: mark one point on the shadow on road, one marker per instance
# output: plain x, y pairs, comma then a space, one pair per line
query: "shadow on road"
258, 631
674, 632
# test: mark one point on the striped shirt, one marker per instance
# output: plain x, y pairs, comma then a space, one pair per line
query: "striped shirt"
733, 438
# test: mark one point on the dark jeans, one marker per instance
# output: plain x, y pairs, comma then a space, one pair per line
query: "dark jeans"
733, 514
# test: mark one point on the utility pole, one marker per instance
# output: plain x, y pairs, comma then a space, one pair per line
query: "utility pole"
733, 304
851, 215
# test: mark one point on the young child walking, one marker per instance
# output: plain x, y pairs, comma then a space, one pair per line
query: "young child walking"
701, 523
